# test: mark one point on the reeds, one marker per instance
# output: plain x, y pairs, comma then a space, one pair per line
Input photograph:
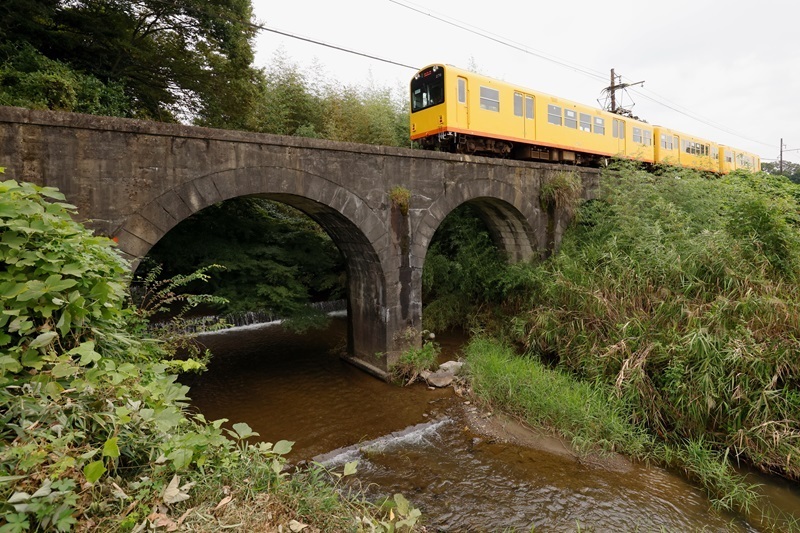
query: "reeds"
680, 293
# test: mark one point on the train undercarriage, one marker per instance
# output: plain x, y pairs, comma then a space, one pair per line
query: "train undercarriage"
458, 143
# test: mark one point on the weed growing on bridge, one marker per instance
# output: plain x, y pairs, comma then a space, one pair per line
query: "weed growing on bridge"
400, 197
562, 190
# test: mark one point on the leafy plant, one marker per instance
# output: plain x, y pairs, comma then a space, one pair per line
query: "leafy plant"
95, 431
415, 360
462, 271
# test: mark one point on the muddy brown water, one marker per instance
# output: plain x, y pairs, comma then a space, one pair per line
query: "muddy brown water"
418, 442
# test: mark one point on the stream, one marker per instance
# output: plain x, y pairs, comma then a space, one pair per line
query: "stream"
422, 443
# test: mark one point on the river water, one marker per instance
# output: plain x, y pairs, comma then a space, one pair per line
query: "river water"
418, 442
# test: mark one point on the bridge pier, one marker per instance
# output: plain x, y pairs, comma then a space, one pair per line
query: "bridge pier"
135, 180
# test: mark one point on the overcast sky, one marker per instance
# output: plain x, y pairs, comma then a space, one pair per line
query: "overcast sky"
728, 71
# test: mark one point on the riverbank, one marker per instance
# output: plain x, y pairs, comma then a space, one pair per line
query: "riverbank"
521, 401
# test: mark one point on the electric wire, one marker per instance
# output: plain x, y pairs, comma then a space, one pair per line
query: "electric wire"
587, 71
328, 45
502, 40
657, 99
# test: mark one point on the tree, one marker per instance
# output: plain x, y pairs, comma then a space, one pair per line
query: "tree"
790, 170
175, 60
275, 257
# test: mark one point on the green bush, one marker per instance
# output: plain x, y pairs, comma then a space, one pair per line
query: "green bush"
95, 431
679, 291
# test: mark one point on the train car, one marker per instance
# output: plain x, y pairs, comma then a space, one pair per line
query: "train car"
681, 149
735, 159
455, 110
458, 111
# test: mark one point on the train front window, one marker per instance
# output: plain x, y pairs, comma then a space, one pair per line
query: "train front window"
427, 88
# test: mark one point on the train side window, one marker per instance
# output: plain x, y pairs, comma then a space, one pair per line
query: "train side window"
462, 91
554, 114
637, 135
728, 157
517, 105
599, 126
570, 119
490, 99
715, 153
586, 122
666, 142
529, 107
648, 138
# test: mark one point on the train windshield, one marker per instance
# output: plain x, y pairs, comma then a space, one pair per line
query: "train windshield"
427, 88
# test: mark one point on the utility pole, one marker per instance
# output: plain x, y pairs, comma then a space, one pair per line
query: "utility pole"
781, 160
612, 92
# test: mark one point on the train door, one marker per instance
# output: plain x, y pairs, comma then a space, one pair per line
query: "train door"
679, 147
530, 125
462, 108
618, 132
524, 127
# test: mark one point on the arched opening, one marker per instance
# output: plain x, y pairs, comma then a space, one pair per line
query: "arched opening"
467, 257
365, 283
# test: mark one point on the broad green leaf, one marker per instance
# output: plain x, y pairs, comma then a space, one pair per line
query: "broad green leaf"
33, 289
73, 269
350, 468
43, 339
94, 471
9, 364
110, 448
87, 353
62, 370
180, 458
282, 447
402, 504
32, 359
52, 192
244, 431
56, 284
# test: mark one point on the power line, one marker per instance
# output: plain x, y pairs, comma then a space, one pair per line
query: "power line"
502, 40
333, 46
657, 99
660, 100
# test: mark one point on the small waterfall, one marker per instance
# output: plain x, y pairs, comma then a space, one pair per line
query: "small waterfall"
202, 324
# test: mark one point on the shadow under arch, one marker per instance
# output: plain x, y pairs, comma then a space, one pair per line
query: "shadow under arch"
510, 216
352, 225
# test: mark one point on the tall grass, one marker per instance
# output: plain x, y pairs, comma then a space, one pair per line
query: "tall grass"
588, 414
680, 292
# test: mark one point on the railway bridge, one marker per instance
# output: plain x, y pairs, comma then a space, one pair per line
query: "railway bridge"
135, 180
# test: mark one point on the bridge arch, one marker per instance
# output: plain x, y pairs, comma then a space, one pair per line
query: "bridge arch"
134, 180
512, 218
352, 225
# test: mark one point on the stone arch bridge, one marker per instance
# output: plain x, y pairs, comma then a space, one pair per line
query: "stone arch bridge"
134, 181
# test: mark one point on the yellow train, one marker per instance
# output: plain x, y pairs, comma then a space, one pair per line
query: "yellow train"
455, 110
